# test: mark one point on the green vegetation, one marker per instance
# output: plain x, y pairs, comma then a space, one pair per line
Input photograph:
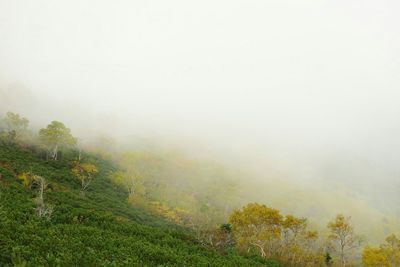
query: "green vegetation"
95, 228
64, 206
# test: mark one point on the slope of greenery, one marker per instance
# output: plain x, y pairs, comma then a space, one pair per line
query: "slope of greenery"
94, 228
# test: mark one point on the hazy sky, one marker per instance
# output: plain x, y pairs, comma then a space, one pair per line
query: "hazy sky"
286, 81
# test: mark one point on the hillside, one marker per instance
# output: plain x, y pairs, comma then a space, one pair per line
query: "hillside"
94, 228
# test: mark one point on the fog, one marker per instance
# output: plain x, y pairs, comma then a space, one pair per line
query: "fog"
307, 91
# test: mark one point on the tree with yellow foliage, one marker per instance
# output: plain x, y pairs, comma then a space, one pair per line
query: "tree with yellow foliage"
392, 249
257, 226
343, 237
84, 172
386, 255
292, 230
27, 179
374, 257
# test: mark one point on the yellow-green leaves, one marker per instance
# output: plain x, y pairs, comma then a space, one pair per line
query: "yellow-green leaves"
26, 179
374, 257
387, 254
294, 225
130, 181
343, 237
84, 172
55, 137
256, 225
259, 227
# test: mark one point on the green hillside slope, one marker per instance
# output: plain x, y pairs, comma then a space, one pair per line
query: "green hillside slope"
97, 228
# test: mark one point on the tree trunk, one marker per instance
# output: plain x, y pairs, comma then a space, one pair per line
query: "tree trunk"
55, 152
40, 201
343, 259
41, 189
86, 184
131, 191
262, 251
263, 254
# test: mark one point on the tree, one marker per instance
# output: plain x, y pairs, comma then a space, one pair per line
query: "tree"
128, 181
55, 137
295, 238
374, 257
14, 125
387, 254
43, 210
84, 172
292, 228
33, 181
132, 179
219, 238
256, 225
392, 249
312, 251
343, 236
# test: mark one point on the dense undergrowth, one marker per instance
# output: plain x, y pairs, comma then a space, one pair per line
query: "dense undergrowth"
92, 228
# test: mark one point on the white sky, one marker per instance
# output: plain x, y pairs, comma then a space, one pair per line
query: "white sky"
280, 79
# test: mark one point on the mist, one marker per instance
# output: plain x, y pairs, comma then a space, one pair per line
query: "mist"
301, 93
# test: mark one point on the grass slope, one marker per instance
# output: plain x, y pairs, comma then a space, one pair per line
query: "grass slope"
98, 228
